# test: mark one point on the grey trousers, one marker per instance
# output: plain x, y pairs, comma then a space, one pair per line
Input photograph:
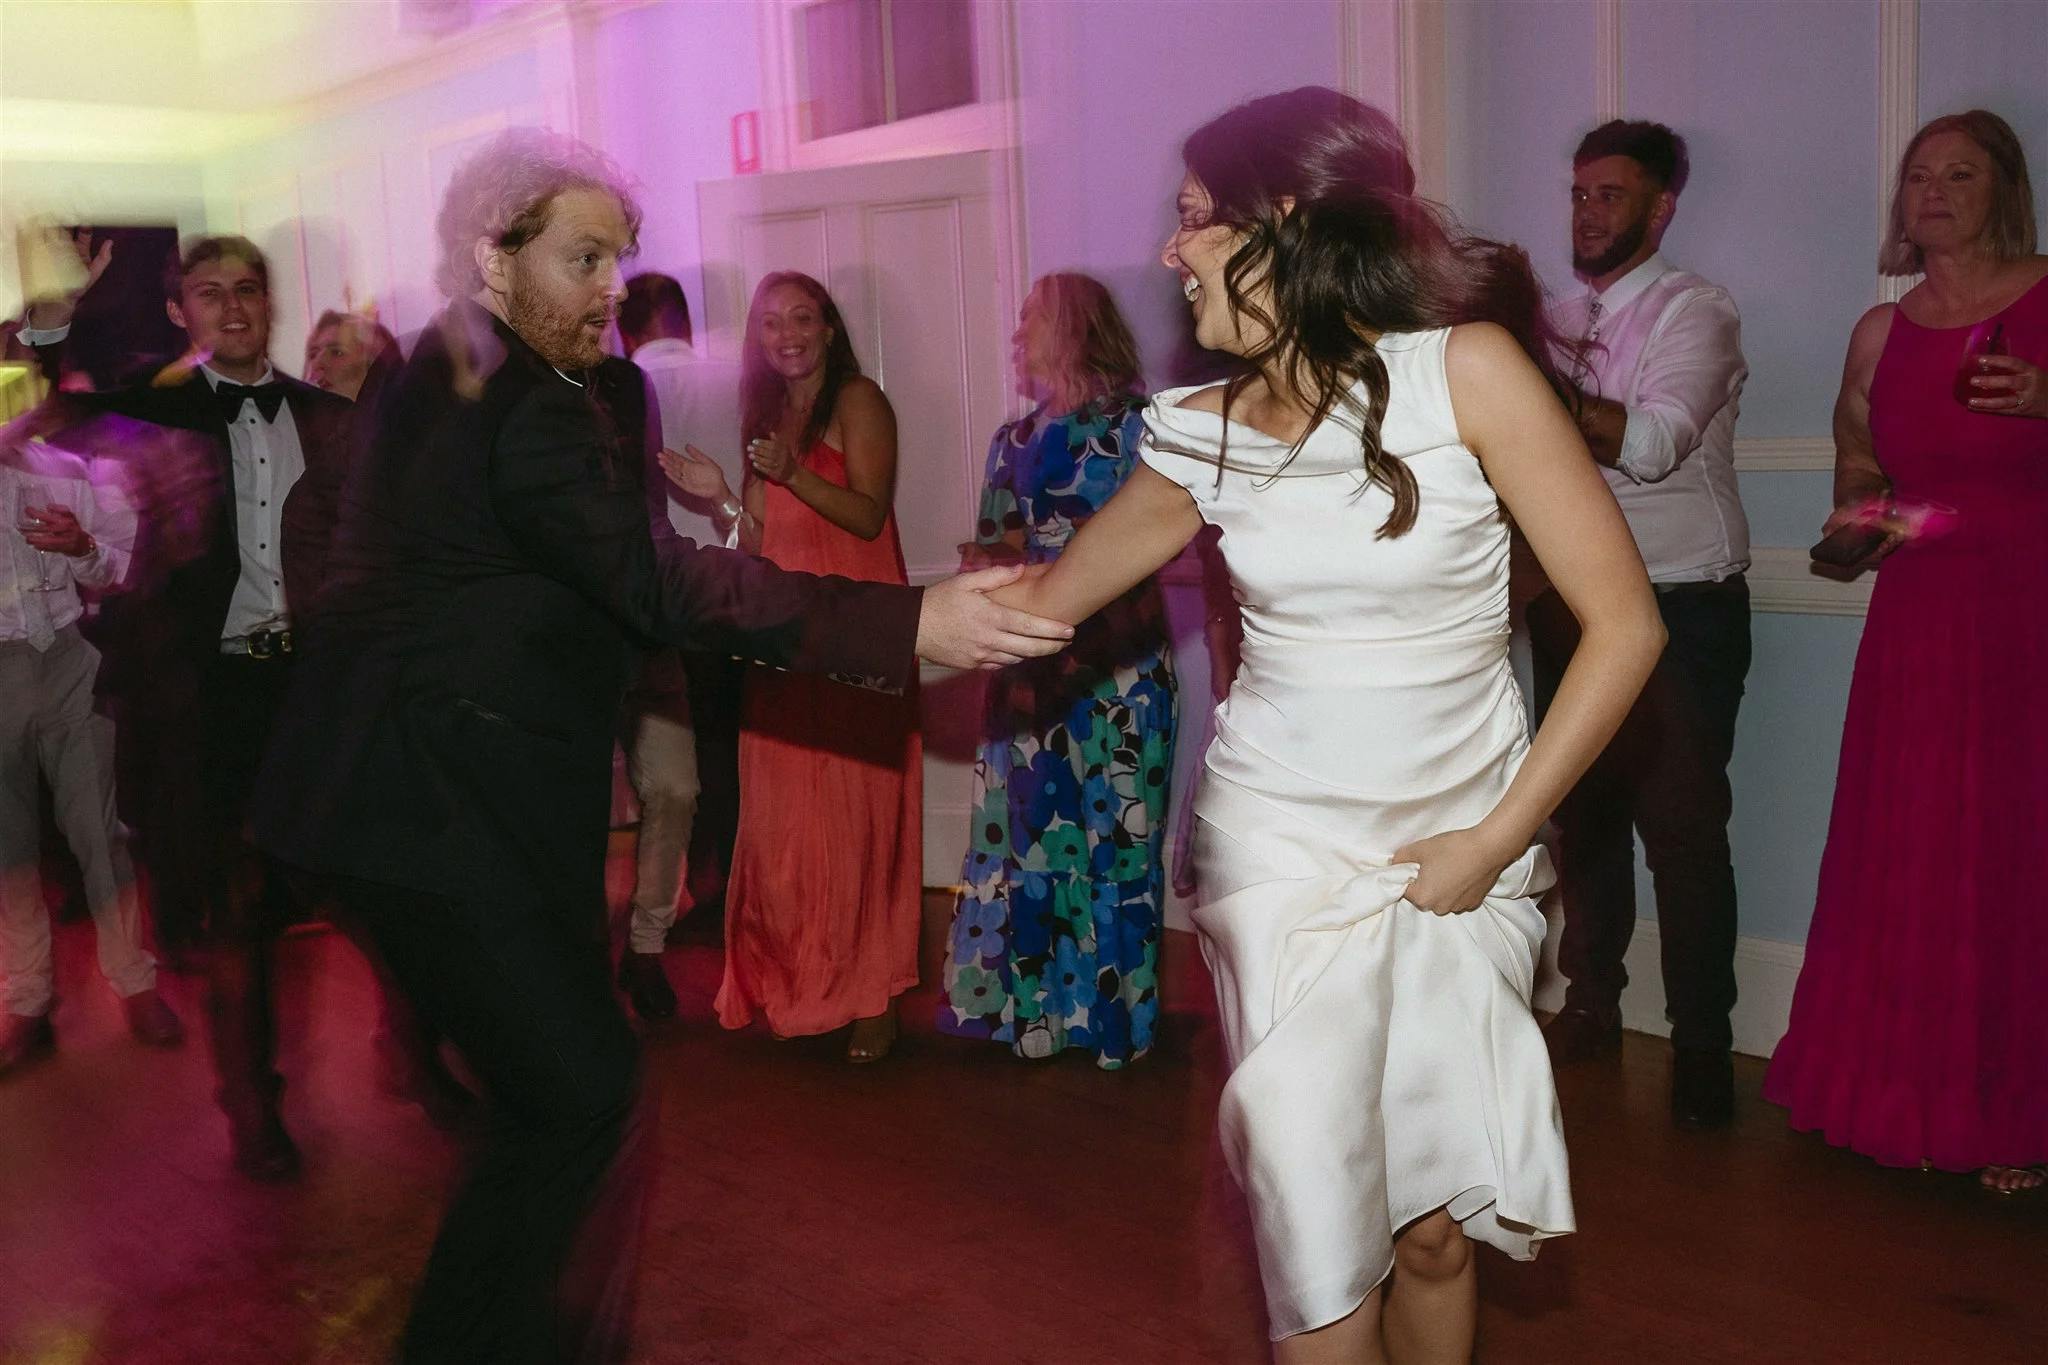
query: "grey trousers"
661, 761
48, 727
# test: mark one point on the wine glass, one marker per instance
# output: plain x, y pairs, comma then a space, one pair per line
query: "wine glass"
35, 495
1982, 341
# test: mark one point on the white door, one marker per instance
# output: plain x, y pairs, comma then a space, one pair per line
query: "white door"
918, 256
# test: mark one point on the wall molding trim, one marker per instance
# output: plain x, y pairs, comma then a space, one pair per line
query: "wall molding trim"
1783, 581
1392, 56
1898, 114
1785, 454
1608, 90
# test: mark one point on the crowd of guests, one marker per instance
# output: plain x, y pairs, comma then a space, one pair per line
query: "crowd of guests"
167, 543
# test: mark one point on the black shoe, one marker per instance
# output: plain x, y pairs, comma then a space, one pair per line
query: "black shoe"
1702, 1087
646, 985
262, 1149
24, 1038
1578, 1035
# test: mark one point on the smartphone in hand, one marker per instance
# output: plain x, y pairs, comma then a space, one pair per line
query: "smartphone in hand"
1849, 545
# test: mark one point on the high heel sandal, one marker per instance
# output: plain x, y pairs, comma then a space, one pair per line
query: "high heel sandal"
862, 1046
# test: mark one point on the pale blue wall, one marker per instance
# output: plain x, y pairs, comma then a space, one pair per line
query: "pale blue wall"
1111, 89
1990, 54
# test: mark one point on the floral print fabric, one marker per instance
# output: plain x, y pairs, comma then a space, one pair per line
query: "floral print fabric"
1056, 940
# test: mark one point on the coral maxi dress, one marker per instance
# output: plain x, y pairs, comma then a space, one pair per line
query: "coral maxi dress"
1920, 1025
822, 909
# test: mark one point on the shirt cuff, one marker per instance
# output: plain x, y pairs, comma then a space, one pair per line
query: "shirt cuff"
1645, 455
41, 336
99, 570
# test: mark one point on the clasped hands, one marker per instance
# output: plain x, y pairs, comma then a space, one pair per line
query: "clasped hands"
957, 625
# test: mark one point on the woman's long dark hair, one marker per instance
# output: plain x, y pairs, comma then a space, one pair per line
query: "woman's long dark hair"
763, 391
1356, 255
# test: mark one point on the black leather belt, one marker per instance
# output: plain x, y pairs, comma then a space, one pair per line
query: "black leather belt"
260, 644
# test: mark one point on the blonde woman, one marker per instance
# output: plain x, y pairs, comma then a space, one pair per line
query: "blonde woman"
1055, 942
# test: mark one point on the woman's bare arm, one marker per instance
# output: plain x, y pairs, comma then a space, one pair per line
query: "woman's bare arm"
1539, 466
867, 436
1858, 476
1145, 524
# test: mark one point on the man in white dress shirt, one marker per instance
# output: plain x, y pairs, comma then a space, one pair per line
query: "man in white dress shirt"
61, 534
1666, 375
680, 727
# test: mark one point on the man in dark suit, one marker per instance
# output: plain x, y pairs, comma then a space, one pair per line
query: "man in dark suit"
446, 752
199, 649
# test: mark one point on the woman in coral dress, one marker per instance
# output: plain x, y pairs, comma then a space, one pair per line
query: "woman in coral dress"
1919, 1029
821, 915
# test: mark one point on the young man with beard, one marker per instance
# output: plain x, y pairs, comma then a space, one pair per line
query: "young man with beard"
1664, 351
446, 753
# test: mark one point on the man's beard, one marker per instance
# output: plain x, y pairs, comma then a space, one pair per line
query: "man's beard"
1624, 246
559, 336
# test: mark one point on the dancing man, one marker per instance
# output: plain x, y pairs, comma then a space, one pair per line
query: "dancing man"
445, 754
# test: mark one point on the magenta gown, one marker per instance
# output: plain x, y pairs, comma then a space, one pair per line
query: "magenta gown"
1920, 1025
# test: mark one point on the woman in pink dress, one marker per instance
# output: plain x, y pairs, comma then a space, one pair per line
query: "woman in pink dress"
822, 908
1920, 1028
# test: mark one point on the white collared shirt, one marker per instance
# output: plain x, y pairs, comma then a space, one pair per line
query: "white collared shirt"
1670, 351
39, 476
268, 460
700, 406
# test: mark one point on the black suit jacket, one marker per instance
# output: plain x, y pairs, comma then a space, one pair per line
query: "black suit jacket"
158, 634
492, 580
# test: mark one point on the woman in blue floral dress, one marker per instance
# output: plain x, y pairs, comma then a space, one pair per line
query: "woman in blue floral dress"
1056, 940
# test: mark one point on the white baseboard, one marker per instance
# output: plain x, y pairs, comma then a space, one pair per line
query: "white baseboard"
1766, 971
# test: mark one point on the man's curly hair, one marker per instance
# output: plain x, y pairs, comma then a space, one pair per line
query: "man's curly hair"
506, 191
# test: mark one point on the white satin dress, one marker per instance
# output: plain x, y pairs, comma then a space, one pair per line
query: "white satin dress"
1384, 1059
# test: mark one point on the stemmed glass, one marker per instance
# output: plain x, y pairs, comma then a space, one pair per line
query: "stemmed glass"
36, 495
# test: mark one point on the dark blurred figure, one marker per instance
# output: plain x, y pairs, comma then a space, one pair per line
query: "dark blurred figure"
446, 753
113, 293
680, 727
200, 651
61, 535
346, 351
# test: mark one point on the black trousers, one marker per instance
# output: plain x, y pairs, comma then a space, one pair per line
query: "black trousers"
1664, 777
536, 1257
157, 749
248, 901
717, 690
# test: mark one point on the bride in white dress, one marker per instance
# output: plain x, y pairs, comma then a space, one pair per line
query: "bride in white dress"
1367, 817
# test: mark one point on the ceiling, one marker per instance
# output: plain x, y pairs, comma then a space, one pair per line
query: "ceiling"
216, 56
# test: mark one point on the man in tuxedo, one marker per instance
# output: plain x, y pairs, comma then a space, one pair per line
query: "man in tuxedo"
201, 647
446, 752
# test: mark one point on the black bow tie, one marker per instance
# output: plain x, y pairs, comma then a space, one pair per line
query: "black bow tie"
267, 397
